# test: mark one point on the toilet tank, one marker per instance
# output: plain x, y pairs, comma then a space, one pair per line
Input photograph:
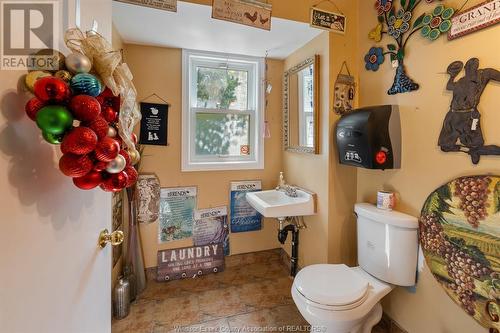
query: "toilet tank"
387, 244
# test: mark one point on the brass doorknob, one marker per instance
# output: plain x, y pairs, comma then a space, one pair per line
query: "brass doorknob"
115, 238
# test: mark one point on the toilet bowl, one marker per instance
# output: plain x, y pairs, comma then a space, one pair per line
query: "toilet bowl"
338, 298
342, 299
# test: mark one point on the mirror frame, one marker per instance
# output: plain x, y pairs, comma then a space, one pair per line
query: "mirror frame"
315, 61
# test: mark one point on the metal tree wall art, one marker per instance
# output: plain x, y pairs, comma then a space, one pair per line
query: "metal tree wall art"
396, 22
462, 127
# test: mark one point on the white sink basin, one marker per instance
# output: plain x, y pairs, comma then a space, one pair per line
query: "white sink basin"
277, 204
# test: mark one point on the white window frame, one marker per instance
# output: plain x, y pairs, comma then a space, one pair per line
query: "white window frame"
256, 105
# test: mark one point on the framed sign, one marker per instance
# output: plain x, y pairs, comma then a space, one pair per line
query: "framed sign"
476, 18
177, 206
154, 124
169, 5
210, 227
243, 216
322, 19
190, 262
248, 12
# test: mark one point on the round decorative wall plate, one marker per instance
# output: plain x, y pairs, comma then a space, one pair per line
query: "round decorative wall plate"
460, 237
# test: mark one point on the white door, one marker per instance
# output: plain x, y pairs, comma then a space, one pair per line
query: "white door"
53, 277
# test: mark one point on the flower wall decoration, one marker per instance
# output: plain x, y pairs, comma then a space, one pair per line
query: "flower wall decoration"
374, 58
400, 24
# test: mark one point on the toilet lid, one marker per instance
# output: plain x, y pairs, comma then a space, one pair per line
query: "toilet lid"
332, 285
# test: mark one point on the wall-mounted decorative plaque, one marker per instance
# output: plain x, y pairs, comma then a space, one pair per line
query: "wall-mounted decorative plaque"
253, 13
169, 5
190, 262
460, 237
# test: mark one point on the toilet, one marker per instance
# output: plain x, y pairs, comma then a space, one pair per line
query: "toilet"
342, 299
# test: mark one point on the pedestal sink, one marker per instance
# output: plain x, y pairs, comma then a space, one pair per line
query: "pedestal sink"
278, 204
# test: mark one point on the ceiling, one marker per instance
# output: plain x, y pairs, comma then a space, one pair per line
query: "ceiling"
192, 27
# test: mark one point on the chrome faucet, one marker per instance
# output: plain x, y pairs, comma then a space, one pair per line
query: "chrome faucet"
289, 190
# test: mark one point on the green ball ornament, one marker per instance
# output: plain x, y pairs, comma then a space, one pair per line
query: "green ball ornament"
54, 119
54, 139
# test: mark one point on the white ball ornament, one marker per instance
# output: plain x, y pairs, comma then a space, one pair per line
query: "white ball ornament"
112, 132
117, 165
78, 63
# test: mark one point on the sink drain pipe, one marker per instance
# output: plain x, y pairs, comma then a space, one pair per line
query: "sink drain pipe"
282, 236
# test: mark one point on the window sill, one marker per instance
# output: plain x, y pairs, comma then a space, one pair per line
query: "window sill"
226, 166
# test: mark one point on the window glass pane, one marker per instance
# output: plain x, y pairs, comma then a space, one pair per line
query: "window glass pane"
219, 88
222, 134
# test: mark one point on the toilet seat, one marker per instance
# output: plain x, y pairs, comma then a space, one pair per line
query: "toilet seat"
331, 287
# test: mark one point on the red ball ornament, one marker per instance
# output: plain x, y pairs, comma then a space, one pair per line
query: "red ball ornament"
126, 156
75, 165
89, 181
100, 166
110, 114
79, 141
115, 182
107, 149
85, 108
32, 107
99, 125
106, 98
52, 89
132, 175
133, 137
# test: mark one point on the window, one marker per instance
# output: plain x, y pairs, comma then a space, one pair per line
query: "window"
222, 112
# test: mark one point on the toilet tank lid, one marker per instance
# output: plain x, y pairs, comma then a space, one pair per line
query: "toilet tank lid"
392, 217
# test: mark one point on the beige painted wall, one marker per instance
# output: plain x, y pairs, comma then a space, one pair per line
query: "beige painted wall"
158, 70
342, 179
424, 166
311, 171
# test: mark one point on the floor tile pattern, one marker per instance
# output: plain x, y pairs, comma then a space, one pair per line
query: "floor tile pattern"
251, 295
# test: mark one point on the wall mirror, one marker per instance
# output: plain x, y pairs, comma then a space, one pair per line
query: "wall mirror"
301, 107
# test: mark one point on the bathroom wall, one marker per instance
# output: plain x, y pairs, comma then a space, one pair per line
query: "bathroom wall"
158, 70
331, 234
424, 166
311, 171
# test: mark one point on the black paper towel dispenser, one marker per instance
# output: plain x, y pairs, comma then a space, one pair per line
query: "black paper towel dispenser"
370, 138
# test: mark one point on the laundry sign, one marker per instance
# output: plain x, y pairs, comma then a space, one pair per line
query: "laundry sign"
253, 13
476, 18
190, 262
169, 5
154, 124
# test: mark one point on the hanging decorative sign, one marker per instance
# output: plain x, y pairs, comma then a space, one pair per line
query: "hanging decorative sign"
400, 24
154, 124
177, 206
461, 130
210, 227
148, 198
169, 5
248, 12
327, 20
190, 262
476, 18
243, 216
459, 232
344, 91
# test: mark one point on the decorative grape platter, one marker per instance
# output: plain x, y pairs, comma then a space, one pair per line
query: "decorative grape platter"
460, 237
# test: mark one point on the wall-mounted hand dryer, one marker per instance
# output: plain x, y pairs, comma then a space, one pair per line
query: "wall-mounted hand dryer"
370, 138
